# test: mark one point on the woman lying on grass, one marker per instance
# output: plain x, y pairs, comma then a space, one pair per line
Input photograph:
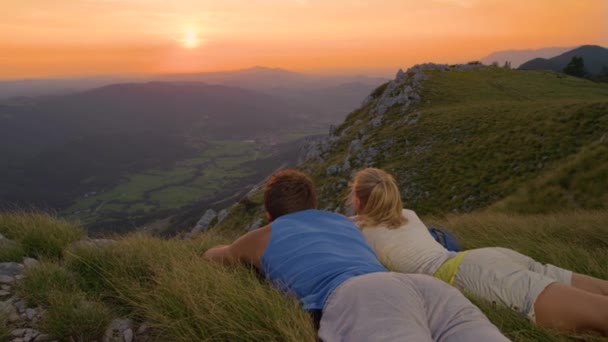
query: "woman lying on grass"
550, 296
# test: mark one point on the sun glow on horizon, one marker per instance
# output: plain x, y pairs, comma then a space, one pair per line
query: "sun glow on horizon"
81, 37
190, 39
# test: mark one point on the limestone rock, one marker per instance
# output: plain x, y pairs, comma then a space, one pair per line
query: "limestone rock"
115, 332
203, 223
4, 279
222, 215
255, 225
333, 170
10, 268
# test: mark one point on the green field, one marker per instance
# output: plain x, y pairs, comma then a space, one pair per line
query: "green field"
185, 182
219, 164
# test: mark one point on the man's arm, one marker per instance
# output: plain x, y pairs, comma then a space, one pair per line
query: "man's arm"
247, 249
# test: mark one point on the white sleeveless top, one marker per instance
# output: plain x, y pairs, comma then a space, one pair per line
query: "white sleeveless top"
409, 248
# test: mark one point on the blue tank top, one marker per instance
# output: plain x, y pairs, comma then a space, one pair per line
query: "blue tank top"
312, 252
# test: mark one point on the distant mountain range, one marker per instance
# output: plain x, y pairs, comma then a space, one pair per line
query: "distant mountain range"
595, 57
324, 97
519, 57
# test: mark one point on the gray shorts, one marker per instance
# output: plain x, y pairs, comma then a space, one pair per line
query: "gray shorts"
505, 276
402, 307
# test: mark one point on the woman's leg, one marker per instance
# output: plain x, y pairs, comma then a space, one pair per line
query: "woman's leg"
559, 274
580, 281
567, 308
590, 284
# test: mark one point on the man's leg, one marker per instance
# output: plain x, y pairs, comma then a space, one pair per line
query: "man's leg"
403, 307
451, 316
375, 307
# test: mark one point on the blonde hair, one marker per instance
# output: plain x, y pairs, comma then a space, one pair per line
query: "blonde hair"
380, 199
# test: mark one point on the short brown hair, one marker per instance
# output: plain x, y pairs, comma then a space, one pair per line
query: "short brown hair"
288, 191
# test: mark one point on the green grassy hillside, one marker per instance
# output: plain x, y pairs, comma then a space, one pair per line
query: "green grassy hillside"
476, 137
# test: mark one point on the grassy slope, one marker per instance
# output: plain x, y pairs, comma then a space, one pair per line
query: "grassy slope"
579, 181
480, 135
167, 285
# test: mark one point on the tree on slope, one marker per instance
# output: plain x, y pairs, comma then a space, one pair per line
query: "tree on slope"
576, 67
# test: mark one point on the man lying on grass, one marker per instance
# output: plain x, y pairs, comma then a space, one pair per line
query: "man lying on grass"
324, 260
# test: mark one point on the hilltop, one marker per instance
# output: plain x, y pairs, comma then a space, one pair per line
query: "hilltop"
595, 57
460, 140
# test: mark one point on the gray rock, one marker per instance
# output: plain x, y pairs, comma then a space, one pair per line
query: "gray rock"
367, 101
30, 334
18, 332
4, 293
346, 166
42, 338
6, 279
20, 304
376, 122
355, 146
401, 76
128, 335
2, 237
10, 268
203, 223
115, 331
222, 215
333, 170
30, 313
255, 225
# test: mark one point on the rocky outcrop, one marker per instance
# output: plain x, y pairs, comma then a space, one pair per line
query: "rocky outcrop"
22, 320
203, 223
222, 215
404, 90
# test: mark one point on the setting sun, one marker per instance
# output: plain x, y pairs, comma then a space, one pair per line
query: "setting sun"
190, 39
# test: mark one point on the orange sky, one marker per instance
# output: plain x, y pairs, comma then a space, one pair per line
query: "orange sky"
94, 37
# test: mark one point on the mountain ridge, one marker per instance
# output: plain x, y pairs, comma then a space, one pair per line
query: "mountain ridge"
595, 58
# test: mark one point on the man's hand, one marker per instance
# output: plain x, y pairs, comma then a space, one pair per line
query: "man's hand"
221, 254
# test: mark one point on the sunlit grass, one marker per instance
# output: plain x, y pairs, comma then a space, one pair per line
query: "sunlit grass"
40, 234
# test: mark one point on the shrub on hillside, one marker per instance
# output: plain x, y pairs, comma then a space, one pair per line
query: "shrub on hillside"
71, 317
42, 280
11, 251
124, 265
41, 235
